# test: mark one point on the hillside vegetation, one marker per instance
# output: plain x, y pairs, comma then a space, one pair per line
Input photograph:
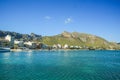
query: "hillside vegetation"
71, 39
79, 39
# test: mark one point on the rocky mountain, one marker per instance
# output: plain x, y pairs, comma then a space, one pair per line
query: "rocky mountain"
19, 36
80, 39
72, 39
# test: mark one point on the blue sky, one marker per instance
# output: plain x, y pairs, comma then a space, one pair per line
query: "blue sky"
51, 17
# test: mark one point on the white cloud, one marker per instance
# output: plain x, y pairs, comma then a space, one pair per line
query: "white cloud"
47, 17
68, 20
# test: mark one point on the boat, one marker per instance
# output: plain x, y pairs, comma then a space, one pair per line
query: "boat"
4, 49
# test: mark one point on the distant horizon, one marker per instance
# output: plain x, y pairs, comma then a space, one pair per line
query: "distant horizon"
52, 17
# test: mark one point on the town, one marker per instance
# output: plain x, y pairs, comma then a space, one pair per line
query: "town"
13, 41
19, 45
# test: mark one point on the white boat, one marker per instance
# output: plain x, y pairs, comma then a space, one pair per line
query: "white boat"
4, 49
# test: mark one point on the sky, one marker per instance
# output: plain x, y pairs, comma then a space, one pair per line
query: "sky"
51, 17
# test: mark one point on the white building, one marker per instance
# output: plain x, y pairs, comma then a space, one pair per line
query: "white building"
10, 39
28, 43
31, 44
20, 43
54, 46
66, 46
59, 46
71, 46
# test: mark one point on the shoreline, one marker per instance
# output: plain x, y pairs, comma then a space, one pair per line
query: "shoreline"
19, 50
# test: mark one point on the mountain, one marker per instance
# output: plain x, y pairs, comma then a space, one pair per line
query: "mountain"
118, 43
72, 39
79, 39
19, 36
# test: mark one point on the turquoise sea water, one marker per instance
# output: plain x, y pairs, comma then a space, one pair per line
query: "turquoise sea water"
60, 65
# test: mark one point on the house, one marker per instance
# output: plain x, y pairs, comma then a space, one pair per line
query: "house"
19, 43
54, 46
80, 47
41, 46
71, 47
10, 39
30, 44
66, 46
59, 46
76, 47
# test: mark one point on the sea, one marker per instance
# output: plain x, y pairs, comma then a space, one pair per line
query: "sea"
60, 65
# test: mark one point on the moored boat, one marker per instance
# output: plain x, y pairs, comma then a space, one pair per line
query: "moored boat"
4, 49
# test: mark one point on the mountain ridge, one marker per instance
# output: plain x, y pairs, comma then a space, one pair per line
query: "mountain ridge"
79, 39
19, 36
69, 38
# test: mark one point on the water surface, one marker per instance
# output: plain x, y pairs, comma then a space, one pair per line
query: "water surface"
60, 65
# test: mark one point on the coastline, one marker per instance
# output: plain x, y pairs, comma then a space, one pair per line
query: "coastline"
19, 50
